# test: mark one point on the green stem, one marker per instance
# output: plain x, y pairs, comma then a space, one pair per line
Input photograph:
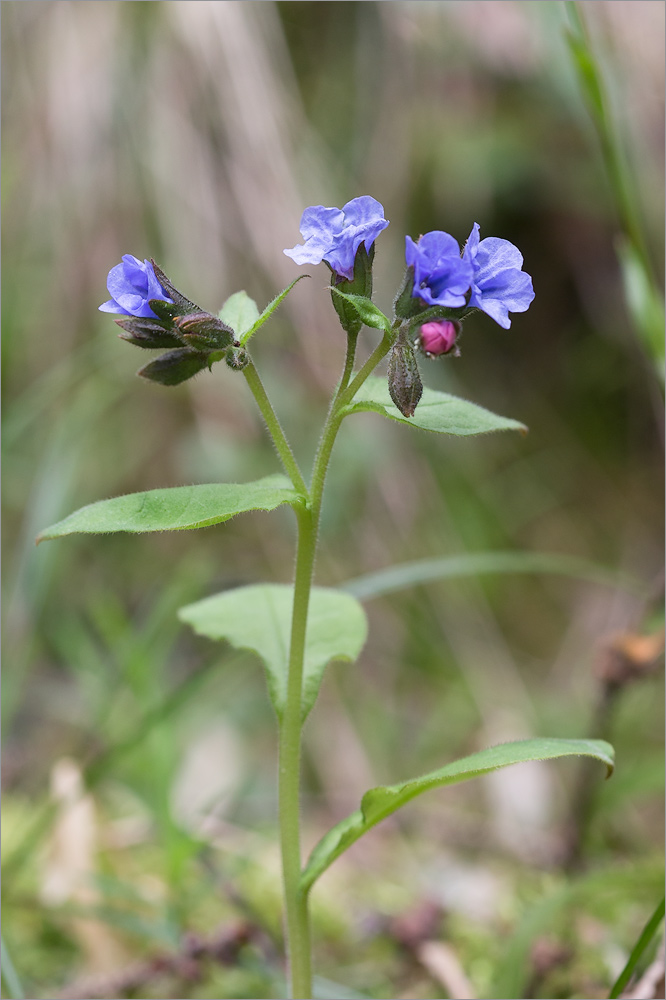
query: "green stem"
291, 723
298, 926
379, 352
349, 367
274, 428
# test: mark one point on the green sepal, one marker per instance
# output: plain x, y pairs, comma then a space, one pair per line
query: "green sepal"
405, 305
180, 301
258, 618
366, 311
360, 284
378, 803
148, 333
166, 311
175, 367
416, 311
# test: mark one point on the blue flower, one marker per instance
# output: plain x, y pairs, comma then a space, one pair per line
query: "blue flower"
441, 276
131, 285
334, 234
499, 285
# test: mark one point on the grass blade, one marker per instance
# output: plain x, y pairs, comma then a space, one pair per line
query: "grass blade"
649, 931
9, 973
413, 574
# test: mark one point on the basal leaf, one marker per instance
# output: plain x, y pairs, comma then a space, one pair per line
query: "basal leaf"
239, 312
437, 411
270, 309
380, 802
176, 508
366, 309
258, 618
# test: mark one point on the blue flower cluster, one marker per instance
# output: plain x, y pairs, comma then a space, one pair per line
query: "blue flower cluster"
487, 276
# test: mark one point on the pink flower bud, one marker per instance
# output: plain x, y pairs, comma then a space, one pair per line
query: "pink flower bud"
438, 336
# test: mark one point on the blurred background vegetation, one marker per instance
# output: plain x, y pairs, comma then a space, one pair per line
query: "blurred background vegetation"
139, 763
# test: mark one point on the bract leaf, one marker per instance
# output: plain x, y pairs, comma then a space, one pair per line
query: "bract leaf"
239, 312
270, 309
380, 802
437, 411
258, 618
366, 309
176, 508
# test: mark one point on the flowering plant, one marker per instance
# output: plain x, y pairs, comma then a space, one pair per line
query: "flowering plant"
296, 630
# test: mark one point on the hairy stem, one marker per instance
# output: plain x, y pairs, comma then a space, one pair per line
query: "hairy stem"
274, 428
291, 723
379, 352
349, 367
298, 926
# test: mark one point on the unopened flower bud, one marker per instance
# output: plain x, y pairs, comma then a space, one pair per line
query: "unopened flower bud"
237, 358
438, 337
404, 381
204, 331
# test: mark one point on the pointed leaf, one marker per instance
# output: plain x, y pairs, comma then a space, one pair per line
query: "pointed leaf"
366, 309
380, 802
258, 618
176, 508
270, 309
240, 312
437, 411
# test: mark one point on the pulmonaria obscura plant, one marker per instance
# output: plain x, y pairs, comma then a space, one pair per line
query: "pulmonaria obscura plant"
296, 629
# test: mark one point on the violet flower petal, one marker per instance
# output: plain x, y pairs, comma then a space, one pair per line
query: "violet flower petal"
499, 285
335, 235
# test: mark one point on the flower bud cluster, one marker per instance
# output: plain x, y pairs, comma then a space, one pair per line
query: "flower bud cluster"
156, 315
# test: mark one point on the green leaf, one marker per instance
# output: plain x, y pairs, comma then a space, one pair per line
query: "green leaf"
380, 802
270, 309
239, 312
176, 508
413, 574
366, 309
437, 411
258, 618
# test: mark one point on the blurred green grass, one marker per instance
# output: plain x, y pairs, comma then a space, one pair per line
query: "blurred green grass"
196, 133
